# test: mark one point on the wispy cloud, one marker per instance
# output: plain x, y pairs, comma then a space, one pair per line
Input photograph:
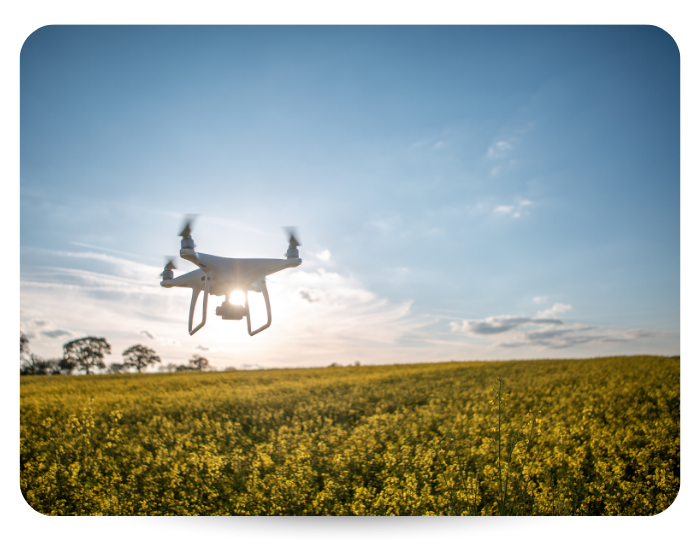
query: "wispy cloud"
40, 329
514, 210
55, 333
95, 247
324, 255
499, 324
317, 315
553, 311
545, 331
504, 209
499, 149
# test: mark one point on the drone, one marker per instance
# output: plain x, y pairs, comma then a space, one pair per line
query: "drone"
221, 276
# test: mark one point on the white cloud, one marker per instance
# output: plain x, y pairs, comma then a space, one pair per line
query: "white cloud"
504, 209
499, 149
318, 316
38, 330
539, 299
545, 331
439, 145
513, 210
498, 324
553, 311
324, 255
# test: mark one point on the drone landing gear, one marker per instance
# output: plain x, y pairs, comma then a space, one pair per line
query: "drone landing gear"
235, 312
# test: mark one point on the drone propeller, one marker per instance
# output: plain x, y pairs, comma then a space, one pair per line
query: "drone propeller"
187, 230
169, 266
291, 233
292, 251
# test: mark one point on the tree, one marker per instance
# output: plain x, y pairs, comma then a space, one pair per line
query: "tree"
199, 363
86, 353
170, 367
23, 343
140, 357
64, 366
24, 356
116, 368
36, 365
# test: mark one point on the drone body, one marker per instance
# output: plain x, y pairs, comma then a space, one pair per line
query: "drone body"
221, 276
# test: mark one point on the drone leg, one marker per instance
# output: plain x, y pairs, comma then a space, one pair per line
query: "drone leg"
267, 306
193, 303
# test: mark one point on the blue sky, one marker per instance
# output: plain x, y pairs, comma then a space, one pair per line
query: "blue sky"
460, 192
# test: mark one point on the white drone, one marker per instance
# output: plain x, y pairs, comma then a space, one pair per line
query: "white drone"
221, 276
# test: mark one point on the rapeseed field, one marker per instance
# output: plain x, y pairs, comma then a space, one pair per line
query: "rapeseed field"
547, 437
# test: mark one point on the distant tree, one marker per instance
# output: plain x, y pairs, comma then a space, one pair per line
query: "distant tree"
116, 368
64, 366
23, 343
87, 354
199, 363
35, 365
24, 355
170, 367
140, 357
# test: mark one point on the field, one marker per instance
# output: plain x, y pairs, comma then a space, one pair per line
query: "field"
562, 437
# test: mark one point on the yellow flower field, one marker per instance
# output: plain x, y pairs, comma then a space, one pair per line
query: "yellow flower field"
563, 437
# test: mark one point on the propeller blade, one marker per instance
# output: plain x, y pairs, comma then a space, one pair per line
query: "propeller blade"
187, 230
291, 233
170, 265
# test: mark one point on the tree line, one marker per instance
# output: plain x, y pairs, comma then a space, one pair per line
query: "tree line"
86, 356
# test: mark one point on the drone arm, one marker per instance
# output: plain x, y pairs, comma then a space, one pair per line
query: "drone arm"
263, 287
193, 303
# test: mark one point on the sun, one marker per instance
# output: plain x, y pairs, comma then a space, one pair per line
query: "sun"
237, 297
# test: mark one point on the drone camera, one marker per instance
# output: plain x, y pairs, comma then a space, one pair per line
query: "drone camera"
231, 312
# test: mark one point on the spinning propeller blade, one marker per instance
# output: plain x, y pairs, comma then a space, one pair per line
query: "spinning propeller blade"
187, 230
291, 233
170, 265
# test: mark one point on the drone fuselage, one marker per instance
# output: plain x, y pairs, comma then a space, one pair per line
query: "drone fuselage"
228, 274
221, 276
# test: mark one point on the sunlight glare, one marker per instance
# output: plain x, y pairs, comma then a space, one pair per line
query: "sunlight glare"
237, 297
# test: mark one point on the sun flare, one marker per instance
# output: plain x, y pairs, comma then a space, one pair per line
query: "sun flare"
237, 297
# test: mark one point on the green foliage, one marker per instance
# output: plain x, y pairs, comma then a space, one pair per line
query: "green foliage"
562, 437
23, 344
116, 368
199, 363
139, 357
87, 354
38, 366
